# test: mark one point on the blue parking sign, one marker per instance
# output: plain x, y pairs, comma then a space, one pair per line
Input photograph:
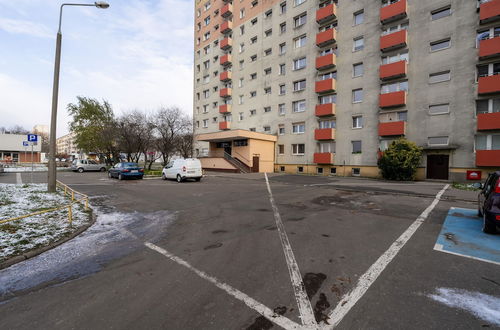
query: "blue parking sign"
25, 143
32, 138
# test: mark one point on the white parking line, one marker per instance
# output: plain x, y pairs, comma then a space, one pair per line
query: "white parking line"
250, 302
367, 279
305, 308
19, 179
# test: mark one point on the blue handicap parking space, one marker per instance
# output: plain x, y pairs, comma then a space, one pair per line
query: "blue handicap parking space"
462, 235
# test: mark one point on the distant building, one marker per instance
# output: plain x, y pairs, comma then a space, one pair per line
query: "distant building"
41, 129
66, 145
13, 151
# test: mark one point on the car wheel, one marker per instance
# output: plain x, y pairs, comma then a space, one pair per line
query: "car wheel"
179, 178
80, 170
197, 179
488, 228
120, 177
110, 175
163, 177
103, 169
141, 177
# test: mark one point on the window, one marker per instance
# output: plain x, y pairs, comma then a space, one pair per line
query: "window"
401, 56
356, 171
205, 108
240, 99
253, 40
487, 142
281, 109
299, 106
356, 147
281, 129
327, 124
319, 170
439, 77
282, 48
268, 52
240, 143
300, 169
240, 82
357, 95
327, 147
395, 28
253, 112
299, 85
359, 17
253, 94
240, 116
242, 12
440, 13
268, 33
253, 76
327, 99
300, 41
282, 90
358, 44
283, 27
298, 128
488, 106
206, 78
214, 119
205, 123
206, 64
394, 87
298, 149
267, 90
254, 21
282, 168
267, 129
242, 47
300, 20
253, 58
282, 7
254, 3
242, 62
242, 30
357, 70
298, 2
267, 71
442, 44
437, 141
282, 69
299, 63
281, 151
206, 36
252, 129
333, 170
357, 122
206, 93
269, 13
207, 6
207, 20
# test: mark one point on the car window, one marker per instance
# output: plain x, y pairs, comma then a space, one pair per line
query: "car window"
489, 184
169, 165
92, 162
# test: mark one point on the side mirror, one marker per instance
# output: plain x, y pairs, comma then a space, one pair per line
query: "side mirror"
477, 185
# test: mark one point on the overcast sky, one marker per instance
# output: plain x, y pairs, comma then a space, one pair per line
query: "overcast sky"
137, 54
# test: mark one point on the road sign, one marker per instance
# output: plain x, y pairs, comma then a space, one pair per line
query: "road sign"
32, 137
25, 143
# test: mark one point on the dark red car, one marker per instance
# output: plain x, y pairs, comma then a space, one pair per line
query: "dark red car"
489, 203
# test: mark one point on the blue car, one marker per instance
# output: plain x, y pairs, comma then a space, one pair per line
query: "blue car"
126, 170
489, 203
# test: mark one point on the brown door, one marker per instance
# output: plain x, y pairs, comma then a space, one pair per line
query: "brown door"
437, 167
255, 167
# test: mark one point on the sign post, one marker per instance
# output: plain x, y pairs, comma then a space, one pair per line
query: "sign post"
32, 139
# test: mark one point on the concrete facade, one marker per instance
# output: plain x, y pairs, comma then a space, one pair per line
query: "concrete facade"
13, 151
438, 87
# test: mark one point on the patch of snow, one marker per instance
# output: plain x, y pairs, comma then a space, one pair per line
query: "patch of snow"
28, 169
481, 305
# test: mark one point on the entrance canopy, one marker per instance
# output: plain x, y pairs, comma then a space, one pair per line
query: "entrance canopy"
237, 134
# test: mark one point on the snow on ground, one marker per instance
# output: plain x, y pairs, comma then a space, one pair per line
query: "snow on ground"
480, 305
28, 169
22, 235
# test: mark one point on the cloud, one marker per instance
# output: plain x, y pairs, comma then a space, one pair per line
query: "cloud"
17, 26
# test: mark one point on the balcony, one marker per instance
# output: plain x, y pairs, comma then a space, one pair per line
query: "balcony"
225, 76
323, 110
489, 48
489, 84
325, 86
488, 121
324, 134
393, 41
487, 157
226, 27
394, 99
226, 60
227, 10
226, 92
326, 13
224, 125
393, 12
323, 158
326, 37
393, 70
225, 108
489, 11
392, 128
226, 43
326, 61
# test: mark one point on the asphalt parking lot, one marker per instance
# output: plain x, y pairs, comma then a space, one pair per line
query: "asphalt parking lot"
237, 252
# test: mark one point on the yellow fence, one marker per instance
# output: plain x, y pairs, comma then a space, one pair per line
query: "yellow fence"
84, 199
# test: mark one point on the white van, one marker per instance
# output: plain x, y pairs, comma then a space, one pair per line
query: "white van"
181, 169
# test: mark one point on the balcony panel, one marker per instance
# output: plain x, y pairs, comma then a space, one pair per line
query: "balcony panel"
489, 48
325, 86
227, 10
225, 76
326, 61
392, 128
326, 37
226, 43
487, 157
324, 134
226, 27
326, 13
394, 40
327, 109
488, 121
226, 59
225, 92
394, 99
489, 11
323, 158
224, 125
489, 84
393, 70
225, 108
393, 12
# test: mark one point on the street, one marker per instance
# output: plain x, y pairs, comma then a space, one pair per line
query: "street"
224, 253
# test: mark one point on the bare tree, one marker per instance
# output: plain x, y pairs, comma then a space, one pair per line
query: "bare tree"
170, 124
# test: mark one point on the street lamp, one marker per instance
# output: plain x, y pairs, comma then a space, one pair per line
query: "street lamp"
51, 187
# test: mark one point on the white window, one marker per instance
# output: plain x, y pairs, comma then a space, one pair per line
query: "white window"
282, 69
281, 149
283, 7
358, 44
440, 13
437, 141
253, 58
488, 106
441, 44
242, 63
487, 142
242, 47
268, 33
359, 17
282, 90
282, 48
281, 129
253, 94
300, 41
437, 109
268, 13
298, 128
401, 56
299, 106
242, 12
283, 27
357, 70
394, 87
357, 122
327, 99
205, 108
327, 124
281, 109
206, 64
300, 20
299, 85
267, 90
207, 6
298, 149
299, 63
240, 82
253, 112
253, 76
240, 117
206, 78
356, 147
267, 129
268, 52
439, 77
240, 99
207, 20
242, 30
267, 71
327, 147
254, 3
214, 119
253, 40
395, 28
298, 2
357, 95
205, 123
206, 36
254, 21
206, 93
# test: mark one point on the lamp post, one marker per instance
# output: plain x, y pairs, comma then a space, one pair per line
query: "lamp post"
51, 186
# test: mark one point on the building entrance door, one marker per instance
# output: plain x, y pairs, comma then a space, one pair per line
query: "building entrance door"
228, 150
255, 161
438, 167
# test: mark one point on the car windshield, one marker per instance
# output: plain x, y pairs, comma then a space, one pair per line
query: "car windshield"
129, 165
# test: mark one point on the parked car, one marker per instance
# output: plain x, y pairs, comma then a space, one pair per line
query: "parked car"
182, 169
82, 165
489, 203
1, 168
126, 170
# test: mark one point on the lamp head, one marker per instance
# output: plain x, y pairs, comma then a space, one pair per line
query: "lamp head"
101, 4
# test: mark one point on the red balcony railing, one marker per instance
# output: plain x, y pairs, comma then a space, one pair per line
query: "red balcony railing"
488, 121
393, 12
394, 99
227, 10
223, 125
324, 134
489, 48
393, 70
326, 37
225, 76
393, 41
327, 109
225, 92
323, 158
489, 11
225, 108
226, 43
326, 13
226, 59
392, 128
226, 27
325, 86
489, 84
487, 157
326, 61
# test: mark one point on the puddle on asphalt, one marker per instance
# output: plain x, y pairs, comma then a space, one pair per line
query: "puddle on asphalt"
111, 237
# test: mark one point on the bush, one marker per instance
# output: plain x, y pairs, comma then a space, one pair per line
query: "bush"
400, 160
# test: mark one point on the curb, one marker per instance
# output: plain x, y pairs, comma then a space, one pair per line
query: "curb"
33, 253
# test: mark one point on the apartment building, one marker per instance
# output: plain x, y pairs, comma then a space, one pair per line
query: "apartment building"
65, 145
324, 87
